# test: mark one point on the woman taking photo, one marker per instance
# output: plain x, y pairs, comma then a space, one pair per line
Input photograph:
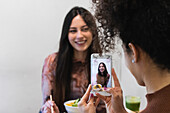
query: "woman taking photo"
144, 28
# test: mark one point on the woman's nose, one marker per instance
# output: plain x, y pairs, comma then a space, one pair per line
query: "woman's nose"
79, 34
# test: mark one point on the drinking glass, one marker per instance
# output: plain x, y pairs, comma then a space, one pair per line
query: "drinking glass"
132, 103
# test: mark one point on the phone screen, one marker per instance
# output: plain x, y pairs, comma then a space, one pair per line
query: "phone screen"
101, 78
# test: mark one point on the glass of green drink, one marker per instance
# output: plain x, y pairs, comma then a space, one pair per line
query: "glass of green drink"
132, 103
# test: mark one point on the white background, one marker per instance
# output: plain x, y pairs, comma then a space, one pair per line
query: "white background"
29, 32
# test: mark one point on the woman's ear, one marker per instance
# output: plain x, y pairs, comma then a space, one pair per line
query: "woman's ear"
135, 52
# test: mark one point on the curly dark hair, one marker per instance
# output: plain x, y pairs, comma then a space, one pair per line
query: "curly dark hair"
145, 23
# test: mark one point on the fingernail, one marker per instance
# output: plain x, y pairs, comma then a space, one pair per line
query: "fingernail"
91, 95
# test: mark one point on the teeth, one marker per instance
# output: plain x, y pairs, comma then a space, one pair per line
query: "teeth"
80, 42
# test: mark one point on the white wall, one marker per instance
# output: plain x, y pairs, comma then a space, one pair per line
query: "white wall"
29, 31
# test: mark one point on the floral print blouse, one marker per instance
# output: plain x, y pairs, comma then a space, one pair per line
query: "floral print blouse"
79, 80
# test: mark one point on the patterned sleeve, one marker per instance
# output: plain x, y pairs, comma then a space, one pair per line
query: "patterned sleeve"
48, 73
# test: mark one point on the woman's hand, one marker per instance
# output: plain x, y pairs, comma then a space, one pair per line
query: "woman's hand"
114, 103
86, 106
46, 108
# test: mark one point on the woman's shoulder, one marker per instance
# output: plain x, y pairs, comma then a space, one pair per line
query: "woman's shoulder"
51, 57
108, 75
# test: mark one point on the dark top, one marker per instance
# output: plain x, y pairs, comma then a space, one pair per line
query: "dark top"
102, 80
158, 102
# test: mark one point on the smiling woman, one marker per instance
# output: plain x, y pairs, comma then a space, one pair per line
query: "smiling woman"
29, 31
80, 36
66, 73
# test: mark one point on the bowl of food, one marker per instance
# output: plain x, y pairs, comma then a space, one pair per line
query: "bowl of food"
71, 106
97, 87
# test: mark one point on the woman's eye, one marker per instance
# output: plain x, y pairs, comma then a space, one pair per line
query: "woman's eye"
85, 29
72, 31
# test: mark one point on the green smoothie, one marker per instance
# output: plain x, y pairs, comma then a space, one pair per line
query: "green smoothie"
132, 103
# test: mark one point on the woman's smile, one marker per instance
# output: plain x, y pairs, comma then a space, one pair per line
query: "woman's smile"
82, 42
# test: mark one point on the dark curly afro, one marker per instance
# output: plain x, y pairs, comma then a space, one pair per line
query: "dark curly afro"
145, 23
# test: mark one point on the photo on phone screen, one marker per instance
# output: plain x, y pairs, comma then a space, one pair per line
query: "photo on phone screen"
101, 73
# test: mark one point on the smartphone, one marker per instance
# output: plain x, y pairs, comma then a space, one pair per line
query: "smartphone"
101, 78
